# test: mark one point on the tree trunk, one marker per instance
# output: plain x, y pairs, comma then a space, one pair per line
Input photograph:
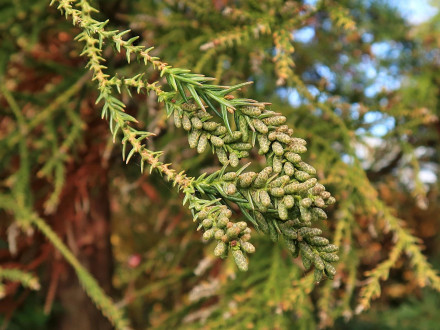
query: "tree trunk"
83, 219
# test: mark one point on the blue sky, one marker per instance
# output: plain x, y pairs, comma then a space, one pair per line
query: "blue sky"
416, 11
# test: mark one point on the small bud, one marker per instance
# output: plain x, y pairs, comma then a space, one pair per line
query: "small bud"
242, 225
193, 138
248, 247
240, 260
293, 188
328, 248
210, 125
244, 128
319, 264
283, 138
241, 146
283, 128
300, 223
186, 123
216, 141
297, 148
220, 249
301, 175
289, 169
220, 130
319, 213
292, 157
318, 189
230, 176
299, 141
245, 237
306, 202
245, 180
282, 211
318, 240
265, 198
276, 192
277, 164
306, 168
230, 189
203, 142
177, 120
219, 234
189, 107
251, 111
281, 181
202, 215
225, 213
196, 123
305, 214
222, 222
309, 232
275, 120
325, 194
207, 223
207, 235
236, 135
330, 257
319, 202
309, 183
289, 201
232, 232
264, 143
330, 270
290, 233
330, 201
307, 251
262, 177
233, 159
277, 148
260, 126
222, 156
272, 136
242, 154
203, 115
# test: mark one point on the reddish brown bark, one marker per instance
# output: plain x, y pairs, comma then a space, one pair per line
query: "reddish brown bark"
83, 219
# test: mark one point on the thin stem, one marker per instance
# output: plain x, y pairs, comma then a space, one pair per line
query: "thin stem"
91, 286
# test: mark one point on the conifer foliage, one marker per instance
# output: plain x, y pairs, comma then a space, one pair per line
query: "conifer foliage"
259, 195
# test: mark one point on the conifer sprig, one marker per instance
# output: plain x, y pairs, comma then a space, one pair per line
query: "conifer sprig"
16, 275
25, 218
284, 190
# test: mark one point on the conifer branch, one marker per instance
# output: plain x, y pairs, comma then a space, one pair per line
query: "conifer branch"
26, 217
16, 275
90, 285
284, 190
262, 177
405, 242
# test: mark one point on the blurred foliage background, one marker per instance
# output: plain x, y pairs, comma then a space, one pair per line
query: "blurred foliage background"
355, 78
